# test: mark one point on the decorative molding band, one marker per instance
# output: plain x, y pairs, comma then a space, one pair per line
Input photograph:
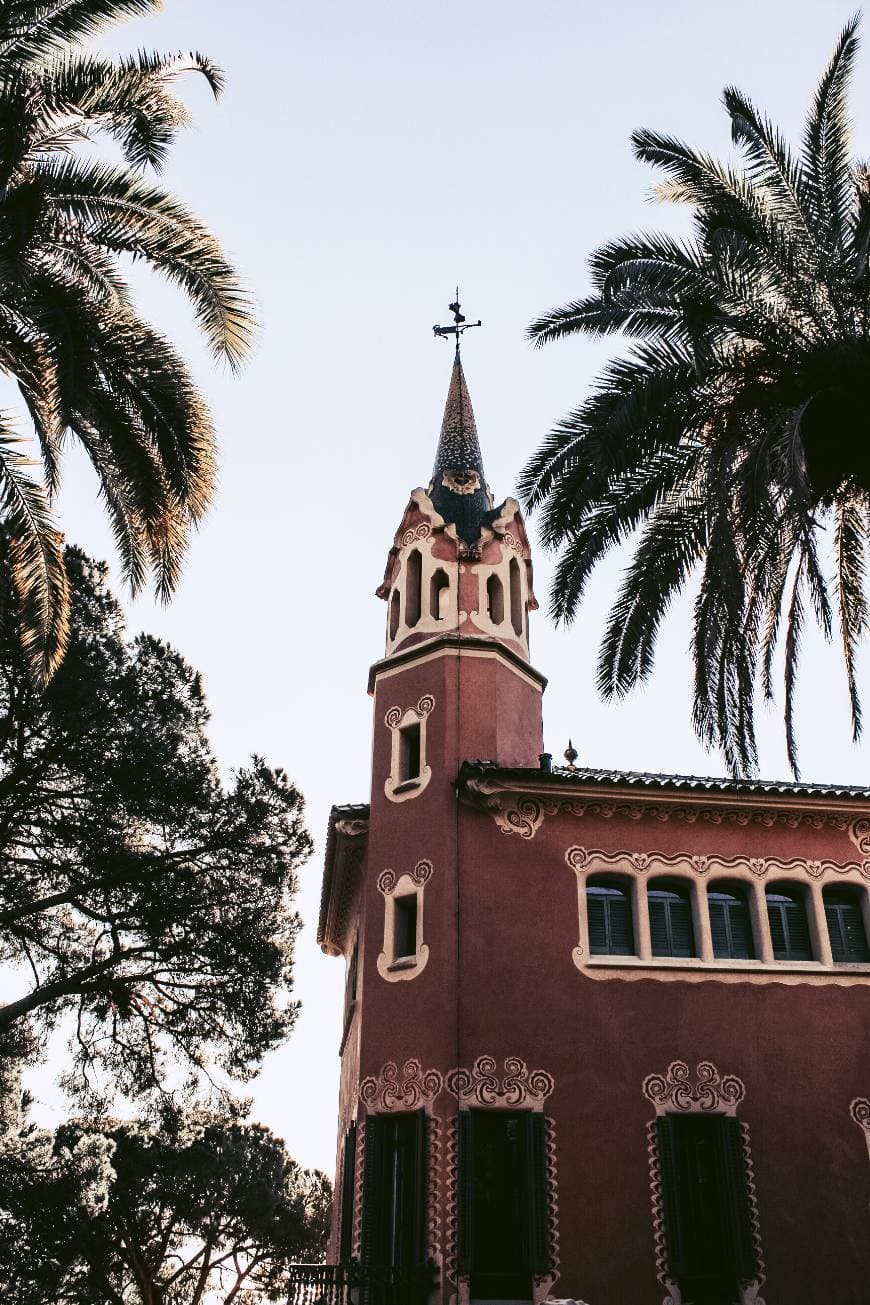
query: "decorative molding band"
433, 1158
582, 859
421, 874
423, 708
484, 1086
415, 1088
706, 1089
524, 814
859, 1110
543, 1283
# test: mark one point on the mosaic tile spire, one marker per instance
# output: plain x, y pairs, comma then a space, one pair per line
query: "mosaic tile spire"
458, 488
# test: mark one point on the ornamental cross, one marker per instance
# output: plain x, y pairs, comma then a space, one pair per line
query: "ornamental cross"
459, 323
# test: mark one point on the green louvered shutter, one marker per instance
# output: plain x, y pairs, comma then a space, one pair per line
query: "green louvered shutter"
540, 1260
373, 1195
421, 1185
464, 1192
670, 1179
597, 913
738, 1212
348, 1178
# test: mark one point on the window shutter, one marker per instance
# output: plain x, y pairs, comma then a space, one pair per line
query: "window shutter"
741, 930
597, 912
421, 1186
464, 1192
621, 932
798, 931
348, 1176
539, 1193
682, 939
846, 930
853, 928
776, 919
738, 1213
719, 928
372, 1196
660, 936
669, 1177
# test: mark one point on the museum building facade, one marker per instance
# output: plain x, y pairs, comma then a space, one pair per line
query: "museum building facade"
605, 1033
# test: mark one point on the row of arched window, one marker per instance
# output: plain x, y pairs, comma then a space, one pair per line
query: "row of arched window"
736, 932
437, 601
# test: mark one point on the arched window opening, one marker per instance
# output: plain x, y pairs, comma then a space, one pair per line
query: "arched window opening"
846, 927
608, 908
495, 599
670, 920
789, 928
413, 582
516, 597
730, 923
394, 614
439, 595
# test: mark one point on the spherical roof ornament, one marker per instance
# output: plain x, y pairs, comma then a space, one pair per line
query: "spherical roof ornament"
571, 754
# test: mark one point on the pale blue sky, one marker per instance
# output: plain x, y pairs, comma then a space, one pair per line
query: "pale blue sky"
364, 158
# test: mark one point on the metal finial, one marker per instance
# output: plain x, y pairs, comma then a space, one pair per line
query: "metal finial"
571, 754
459, 323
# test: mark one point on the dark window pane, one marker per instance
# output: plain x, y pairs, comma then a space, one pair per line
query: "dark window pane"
846, 928
409, 752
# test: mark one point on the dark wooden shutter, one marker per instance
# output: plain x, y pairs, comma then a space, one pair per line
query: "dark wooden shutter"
372, 1196
738, 1213
742, 946
597, 912
846, 930
621, 932
719, 930
660, 935
421, 1185
682, 937
348, 1177
799, 946
669, 1176
776, 920
464, 1192
540, 1260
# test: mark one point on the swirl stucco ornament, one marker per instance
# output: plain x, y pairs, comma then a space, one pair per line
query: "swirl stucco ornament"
421, 874
706, 1089
515, 1086
859, 1110
421, 711
423, 531
391, 1090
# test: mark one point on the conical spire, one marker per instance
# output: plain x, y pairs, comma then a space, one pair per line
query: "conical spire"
458, 488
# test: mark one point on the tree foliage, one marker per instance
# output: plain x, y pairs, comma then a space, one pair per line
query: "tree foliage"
735, 435
86, 362
179, 1210
140, 898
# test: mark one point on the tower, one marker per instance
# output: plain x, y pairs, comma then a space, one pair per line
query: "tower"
604, 1032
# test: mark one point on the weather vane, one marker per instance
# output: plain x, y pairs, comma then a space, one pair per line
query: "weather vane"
459, 323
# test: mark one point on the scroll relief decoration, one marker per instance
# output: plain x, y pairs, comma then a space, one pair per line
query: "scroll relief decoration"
525, 815
461, 482
482, 1084
859, 1110
411, 1089
423, 708
421, 874
423, 531
704, 1090
516, 1086
582, 858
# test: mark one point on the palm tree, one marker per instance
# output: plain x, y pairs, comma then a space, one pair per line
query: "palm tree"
734, 436
86, 363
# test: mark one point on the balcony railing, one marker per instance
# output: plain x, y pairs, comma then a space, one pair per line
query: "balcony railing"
360, 1284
